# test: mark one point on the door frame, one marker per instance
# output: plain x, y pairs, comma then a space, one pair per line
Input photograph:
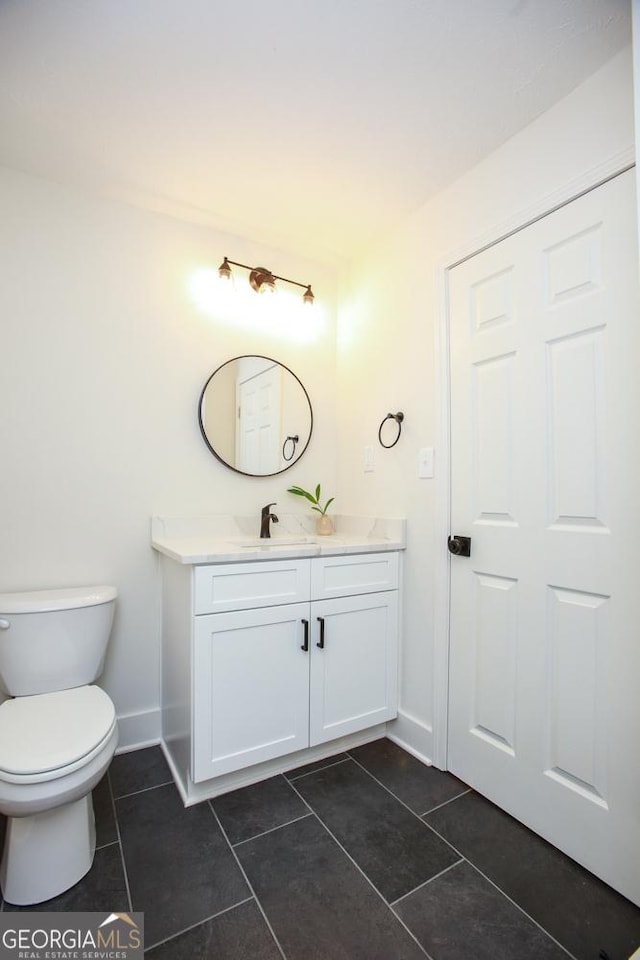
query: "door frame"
569, 191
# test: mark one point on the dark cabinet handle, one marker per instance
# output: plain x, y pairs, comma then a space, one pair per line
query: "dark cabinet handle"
305, 645
320, 642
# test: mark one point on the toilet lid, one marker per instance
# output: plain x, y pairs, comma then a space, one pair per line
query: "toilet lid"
52, 730
65, 598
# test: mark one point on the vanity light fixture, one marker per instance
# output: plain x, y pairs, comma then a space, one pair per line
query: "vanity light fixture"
262, 280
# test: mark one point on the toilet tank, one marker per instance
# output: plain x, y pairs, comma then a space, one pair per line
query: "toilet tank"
53, 639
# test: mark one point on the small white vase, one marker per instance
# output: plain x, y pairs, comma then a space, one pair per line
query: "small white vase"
324, 526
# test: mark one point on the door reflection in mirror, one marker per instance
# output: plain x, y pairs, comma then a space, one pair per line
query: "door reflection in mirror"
248, 409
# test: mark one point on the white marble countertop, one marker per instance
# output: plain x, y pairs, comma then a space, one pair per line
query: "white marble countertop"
227, 539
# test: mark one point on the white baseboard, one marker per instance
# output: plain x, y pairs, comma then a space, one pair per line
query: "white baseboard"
137, 730
413, 735
208, 789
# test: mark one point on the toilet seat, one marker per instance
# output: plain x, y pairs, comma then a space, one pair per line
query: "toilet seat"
49, 735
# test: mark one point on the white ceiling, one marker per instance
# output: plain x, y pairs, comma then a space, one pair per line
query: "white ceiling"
310, 125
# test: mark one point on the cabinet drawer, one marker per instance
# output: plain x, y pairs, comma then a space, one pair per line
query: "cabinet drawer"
350, 575
238, 586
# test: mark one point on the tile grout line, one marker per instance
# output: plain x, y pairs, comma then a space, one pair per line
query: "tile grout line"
522, 911
363, 874
425, 882
135, 793
471, 864
407, 807
444, 803
271, 830
103, 846
496, 887
246, 879
310, 773
419, 815
122, 860
194, 926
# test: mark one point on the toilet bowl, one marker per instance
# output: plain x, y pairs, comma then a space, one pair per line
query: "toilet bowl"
55, 745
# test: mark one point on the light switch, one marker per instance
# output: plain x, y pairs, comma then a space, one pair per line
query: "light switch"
425, 463
367, 459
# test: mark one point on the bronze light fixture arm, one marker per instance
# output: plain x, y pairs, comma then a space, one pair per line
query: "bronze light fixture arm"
258, 276
225, 263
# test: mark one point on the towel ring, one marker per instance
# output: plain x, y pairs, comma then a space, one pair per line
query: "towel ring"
293, 441
398, 417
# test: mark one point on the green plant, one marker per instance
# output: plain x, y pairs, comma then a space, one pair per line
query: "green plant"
315, 500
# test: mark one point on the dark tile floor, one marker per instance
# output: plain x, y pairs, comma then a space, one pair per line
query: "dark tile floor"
369, 855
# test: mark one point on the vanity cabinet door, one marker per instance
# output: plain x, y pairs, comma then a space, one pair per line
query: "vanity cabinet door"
354, 664
250, 688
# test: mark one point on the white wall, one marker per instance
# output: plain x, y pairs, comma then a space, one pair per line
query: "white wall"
636, 84
388, 339
103, 355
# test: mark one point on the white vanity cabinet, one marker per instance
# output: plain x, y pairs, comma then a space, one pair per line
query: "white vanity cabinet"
287, 654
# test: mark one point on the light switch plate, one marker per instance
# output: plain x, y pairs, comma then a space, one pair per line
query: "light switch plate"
367, 459
425, 463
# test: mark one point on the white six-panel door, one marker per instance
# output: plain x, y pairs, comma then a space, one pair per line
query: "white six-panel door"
258, 437
544, 709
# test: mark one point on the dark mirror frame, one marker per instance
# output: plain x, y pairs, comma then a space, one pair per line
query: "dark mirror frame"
206, 439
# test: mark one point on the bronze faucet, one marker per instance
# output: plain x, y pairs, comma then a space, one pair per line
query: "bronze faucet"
265, 517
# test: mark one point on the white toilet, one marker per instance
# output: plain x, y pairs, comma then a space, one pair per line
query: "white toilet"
58, 734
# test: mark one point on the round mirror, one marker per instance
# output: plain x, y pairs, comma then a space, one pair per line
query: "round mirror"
255, 416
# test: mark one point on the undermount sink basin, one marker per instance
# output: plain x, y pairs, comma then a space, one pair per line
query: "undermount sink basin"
253, 542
